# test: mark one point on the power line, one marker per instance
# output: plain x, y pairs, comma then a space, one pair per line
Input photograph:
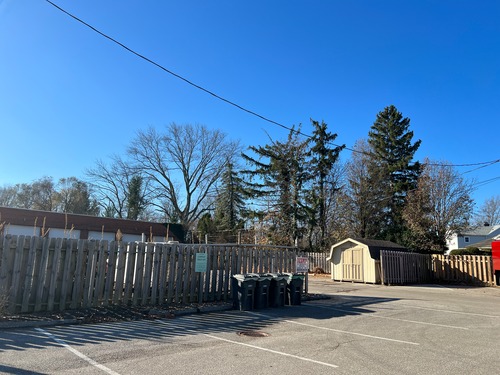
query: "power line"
240, 107
482, 165
486, 182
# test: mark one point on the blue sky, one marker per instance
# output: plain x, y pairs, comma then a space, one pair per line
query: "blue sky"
69, 96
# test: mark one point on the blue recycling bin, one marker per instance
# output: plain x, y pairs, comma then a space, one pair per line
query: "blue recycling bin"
243, 286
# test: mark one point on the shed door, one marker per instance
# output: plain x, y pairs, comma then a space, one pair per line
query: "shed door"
352, 260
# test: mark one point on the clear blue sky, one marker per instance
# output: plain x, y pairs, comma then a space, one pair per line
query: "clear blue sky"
68, 96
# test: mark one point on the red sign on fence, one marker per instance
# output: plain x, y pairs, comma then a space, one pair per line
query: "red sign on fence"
302, 264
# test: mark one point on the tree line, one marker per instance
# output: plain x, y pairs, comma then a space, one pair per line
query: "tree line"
294, 191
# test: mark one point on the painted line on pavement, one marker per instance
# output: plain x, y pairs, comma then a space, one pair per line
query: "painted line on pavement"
77, 353
387, 317
450, 311
248, 345
339, 330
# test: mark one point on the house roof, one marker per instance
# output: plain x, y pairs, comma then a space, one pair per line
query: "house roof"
85, 223
485, 230
485, 244
374, 246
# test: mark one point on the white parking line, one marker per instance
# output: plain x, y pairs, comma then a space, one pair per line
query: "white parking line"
450, 311
340, 331
247, 345
77, 353
373, 315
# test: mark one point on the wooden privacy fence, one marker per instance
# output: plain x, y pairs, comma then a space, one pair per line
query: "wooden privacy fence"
468, 269
403, 268
407, 268
319, 260
46, 274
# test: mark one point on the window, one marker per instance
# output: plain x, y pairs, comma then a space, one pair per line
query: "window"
466, 239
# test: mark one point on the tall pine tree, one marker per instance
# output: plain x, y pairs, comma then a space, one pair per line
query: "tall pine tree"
393, 152
279, 175
323, 157
230, 201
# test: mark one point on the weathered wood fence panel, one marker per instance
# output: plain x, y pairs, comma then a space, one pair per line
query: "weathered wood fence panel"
318, 260
46, 274
407, 268
467, 269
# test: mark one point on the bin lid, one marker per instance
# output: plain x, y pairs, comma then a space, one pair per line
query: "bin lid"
278, 276
259, 276
245, 277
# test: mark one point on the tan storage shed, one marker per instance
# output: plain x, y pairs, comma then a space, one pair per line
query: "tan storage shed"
358, 259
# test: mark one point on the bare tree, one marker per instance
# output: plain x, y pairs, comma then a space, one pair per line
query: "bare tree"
367, 193
440, 205
183, 164
8, 196
489, 212
113, 183
39, 195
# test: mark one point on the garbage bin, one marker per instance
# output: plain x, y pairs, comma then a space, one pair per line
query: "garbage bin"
261, 290
277, 290
294, 288
243, 286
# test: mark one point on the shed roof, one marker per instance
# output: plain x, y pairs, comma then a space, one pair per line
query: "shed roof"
374, 246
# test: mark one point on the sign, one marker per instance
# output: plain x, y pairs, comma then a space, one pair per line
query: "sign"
302, 264
200, 263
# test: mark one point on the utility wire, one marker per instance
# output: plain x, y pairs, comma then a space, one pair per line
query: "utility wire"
169, 71
486, 182
240, 107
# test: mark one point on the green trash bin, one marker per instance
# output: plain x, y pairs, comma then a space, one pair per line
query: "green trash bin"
262, 289
294, 288
243, 286
277, 290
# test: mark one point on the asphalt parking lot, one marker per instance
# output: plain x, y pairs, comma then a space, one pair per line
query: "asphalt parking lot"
361, 329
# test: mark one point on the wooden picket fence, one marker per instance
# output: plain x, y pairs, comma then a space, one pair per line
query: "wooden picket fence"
47, 274
407, 268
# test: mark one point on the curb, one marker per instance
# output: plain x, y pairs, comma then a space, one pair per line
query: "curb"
36, 324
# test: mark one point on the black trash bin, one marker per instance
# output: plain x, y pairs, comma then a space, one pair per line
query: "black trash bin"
294, 288
262, 289
277, 290
243, 286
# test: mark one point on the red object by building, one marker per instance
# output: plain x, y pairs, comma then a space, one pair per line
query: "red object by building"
495, 254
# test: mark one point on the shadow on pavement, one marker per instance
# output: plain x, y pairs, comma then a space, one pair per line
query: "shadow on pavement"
169, 330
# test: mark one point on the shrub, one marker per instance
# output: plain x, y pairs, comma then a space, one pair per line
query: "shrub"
470, 250
319, 271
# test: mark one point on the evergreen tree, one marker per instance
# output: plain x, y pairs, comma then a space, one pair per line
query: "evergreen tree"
323, 158
205, 226
230, 201
280, 182
135, 198
393, 152
74, 196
